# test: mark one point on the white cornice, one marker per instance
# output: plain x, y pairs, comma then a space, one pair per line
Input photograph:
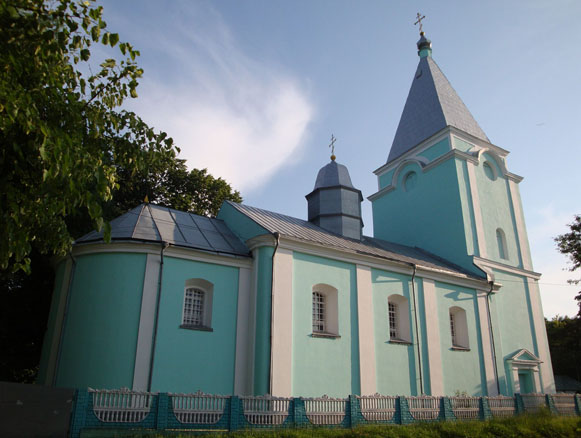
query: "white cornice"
485, 263
171, 251
376, 262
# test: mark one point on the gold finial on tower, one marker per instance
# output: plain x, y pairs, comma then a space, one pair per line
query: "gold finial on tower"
146, 199
420, 17
332, 146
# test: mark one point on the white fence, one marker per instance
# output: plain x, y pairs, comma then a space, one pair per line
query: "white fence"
501, 406
377, 407
121, 406
325, 410
198, 408
533, 402
466, 408
564, 403
266, 410
424, 407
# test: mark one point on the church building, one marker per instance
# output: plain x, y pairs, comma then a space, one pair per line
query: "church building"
442, 300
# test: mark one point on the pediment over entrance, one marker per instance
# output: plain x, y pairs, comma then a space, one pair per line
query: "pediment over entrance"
524, 357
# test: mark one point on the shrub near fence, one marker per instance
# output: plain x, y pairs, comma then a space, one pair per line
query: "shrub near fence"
125, 409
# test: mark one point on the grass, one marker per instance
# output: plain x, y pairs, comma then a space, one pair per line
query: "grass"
542, 425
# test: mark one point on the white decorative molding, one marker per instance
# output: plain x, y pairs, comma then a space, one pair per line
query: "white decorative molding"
546, 369
521, 233
282, 323
367, 370
146, 322
242, 370
486, 334
433, 338
476, 210
137, 247
485, 263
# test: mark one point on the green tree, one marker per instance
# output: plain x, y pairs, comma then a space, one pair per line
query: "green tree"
570, 245
62, 133
564, 335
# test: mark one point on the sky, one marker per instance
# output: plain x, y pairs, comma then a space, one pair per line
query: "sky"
252, 90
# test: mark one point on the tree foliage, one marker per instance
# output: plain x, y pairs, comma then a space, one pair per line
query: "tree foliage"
570, 245
564, 335
63, 136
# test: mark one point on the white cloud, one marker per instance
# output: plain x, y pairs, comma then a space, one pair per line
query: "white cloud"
238, 117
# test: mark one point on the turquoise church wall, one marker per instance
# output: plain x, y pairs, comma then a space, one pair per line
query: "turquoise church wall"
190, 360
512, 323
436, 150
429, 216
101, 327
324, 365
497, 212
263, 314
462, 370
391, 357
52, 323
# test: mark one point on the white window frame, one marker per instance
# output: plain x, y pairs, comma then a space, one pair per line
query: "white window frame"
459, 329
330, 322
401, 314
205, 289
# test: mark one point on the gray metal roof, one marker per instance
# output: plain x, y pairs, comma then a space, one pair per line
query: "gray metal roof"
333, 174
152, 223
432, 104
300, 229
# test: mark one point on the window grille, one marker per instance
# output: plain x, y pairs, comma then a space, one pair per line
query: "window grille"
453, 330
194, 307
318, 312
393, 331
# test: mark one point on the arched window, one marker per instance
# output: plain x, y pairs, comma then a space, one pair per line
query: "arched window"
325, 316
399, 318
459, 328
197, 309
489, 170
501, 241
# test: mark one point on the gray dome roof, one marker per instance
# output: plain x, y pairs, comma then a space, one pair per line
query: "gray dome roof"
332, 175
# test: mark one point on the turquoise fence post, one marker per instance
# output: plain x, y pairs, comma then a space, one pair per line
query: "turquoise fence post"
162, 411
551, 404
79, 415
234, 413
354, 411
448, 412
578, 403
519, 404
485, 412
300, 415
404, 410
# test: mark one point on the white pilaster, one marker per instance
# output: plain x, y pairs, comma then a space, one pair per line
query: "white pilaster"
242, 372
433, 338
146, 322
521, 232
487, 352
547, 378
282, 324
366, 331
62, 294
476, 209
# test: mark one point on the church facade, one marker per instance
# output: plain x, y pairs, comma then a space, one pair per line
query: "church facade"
442, 300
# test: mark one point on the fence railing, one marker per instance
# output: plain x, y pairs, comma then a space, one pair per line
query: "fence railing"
121, 406
94, 409
325, 410
198, 408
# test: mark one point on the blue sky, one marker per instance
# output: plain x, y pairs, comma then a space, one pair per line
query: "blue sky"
253, 90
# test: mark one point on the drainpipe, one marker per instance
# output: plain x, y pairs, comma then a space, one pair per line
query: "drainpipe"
64, 323
164, 245
417, 330
492, 336
277, 237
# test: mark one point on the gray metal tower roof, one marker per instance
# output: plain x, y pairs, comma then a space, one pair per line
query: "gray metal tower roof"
332, 175
432, 104
153, 223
